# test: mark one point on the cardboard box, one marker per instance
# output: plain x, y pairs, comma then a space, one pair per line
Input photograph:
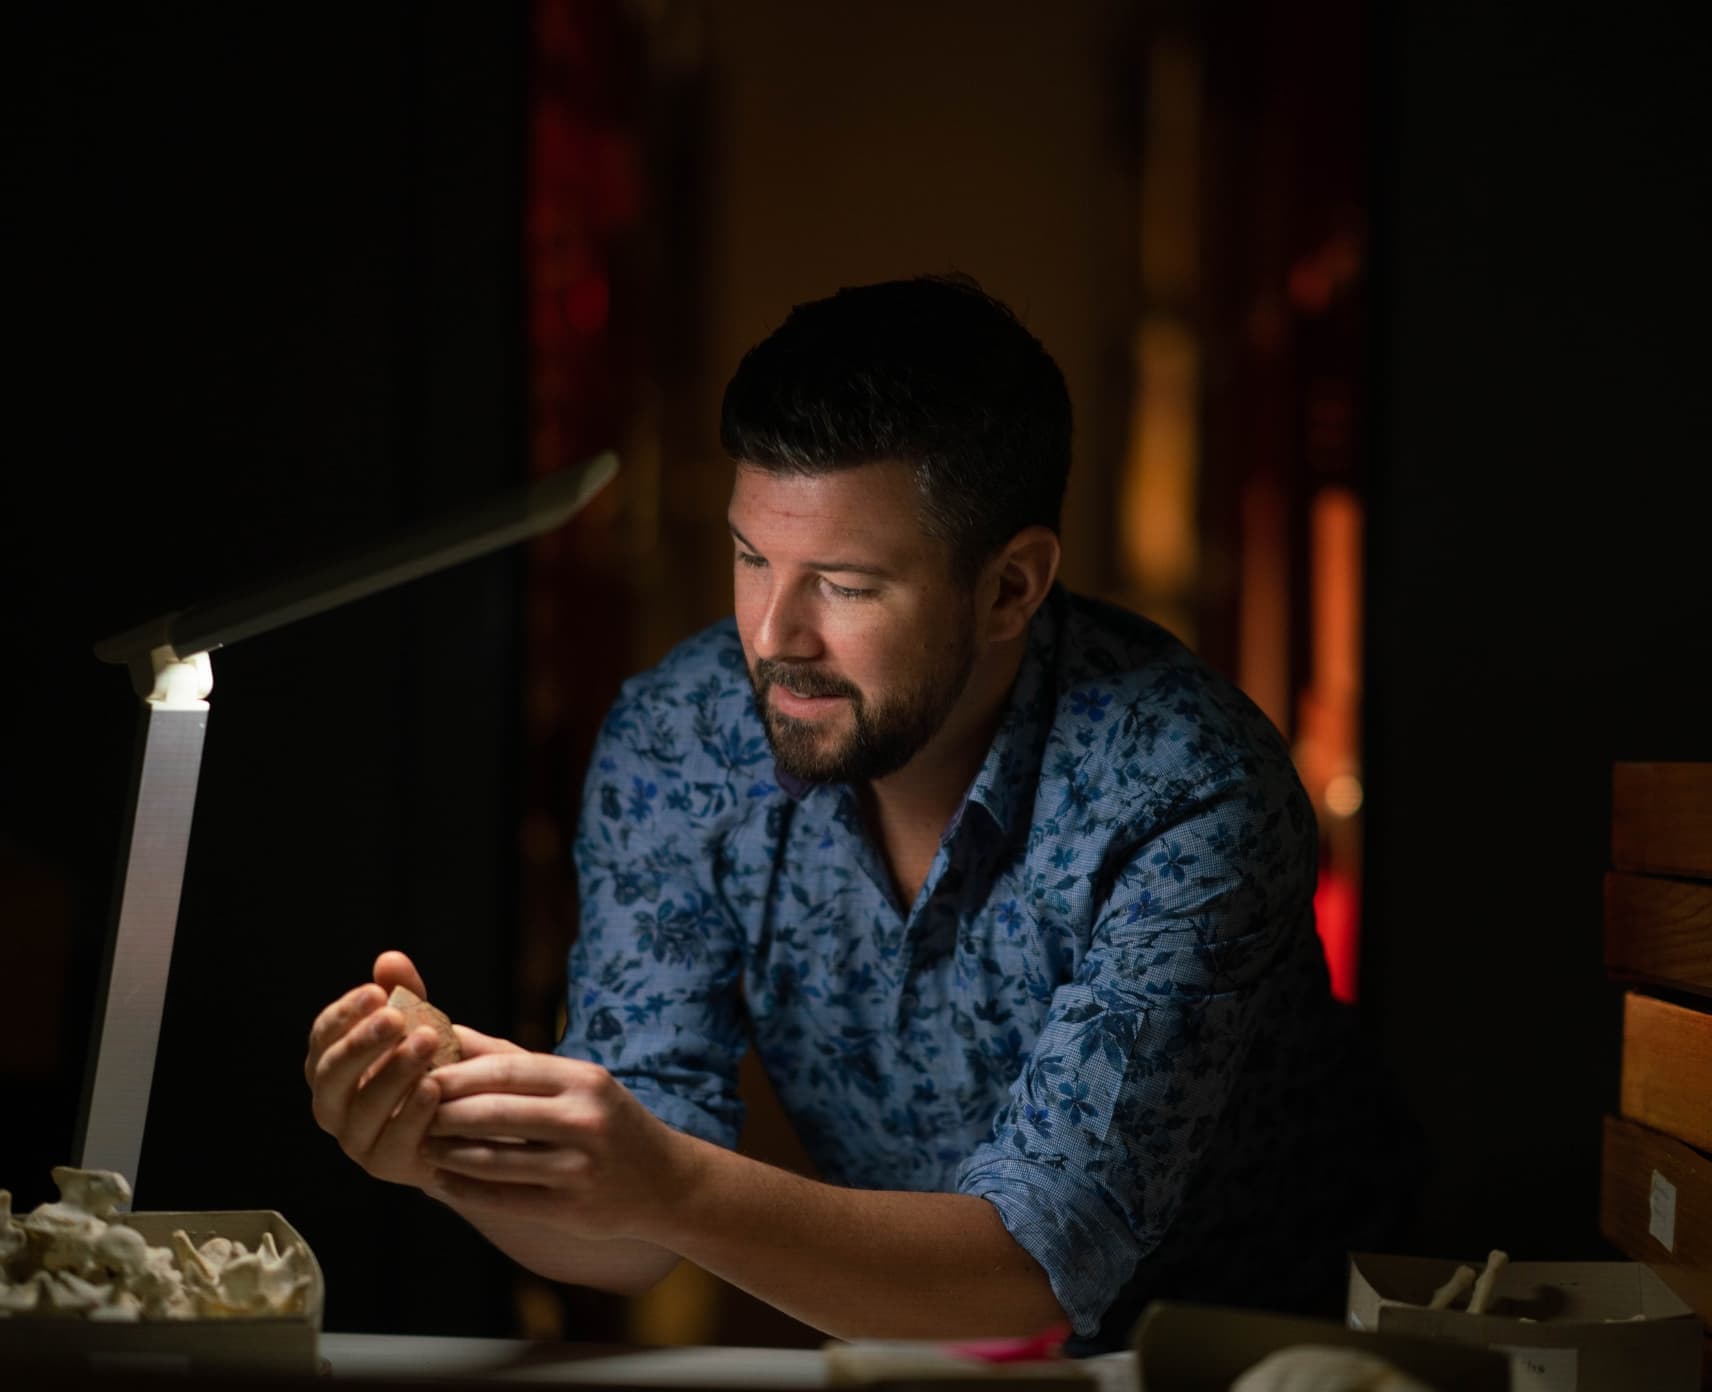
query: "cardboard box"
1655, 1205
1205, 1348
274, 1343
1566, 1326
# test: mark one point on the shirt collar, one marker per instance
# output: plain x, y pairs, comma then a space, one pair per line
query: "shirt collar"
795, 788
1005, 783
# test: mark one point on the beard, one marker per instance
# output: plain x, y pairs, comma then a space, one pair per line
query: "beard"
884, 734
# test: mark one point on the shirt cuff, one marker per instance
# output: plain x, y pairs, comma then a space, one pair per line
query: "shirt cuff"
678, 1111
681, 1114
1081, 1241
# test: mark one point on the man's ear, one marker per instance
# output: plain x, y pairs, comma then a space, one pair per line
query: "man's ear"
1017, 580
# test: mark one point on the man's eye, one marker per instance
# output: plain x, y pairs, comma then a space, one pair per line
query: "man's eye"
841, 592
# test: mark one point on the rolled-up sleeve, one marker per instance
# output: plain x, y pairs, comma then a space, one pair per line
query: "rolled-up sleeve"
1130, 1074
653, 992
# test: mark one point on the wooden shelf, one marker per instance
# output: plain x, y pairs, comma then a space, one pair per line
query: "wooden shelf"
1659, 930
1655, 1191
1667, 1068
1661, 819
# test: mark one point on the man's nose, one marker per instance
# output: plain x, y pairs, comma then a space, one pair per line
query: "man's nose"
787, 628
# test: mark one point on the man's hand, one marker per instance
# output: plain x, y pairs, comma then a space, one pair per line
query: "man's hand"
368, 1083
558, 1164
558, 1141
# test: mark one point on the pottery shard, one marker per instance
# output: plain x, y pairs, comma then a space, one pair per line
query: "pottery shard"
417, 1012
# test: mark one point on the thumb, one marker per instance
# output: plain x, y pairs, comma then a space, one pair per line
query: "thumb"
395, 969
474, 1043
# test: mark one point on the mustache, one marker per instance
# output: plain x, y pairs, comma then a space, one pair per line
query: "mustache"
804, 681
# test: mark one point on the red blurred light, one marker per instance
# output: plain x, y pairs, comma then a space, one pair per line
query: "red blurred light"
1337, 917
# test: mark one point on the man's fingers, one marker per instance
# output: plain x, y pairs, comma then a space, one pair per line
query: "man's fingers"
490, 1114
333, 1023
387, 1095
395, 969
505, 1163
480, 1196
473, 1043
395, 1153
339, 1071
514, 1071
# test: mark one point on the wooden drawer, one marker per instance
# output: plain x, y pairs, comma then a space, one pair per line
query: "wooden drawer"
1661, 819
1653, 1187
1659, 930
1667, 1068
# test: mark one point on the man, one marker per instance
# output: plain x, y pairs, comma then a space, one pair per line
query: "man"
1010, 891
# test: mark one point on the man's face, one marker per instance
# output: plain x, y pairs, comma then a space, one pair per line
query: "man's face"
859, 642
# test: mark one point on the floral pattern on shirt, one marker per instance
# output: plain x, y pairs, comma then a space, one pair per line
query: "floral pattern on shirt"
1108, 976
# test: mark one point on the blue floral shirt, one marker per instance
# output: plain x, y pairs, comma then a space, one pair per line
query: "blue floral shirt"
1106, 1012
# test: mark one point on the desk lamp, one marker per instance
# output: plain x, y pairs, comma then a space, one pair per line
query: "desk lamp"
170, 669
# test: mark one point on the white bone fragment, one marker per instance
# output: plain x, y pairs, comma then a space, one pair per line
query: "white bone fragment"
123, 1308
12, 1235
284, 1280
240, 1283
97, 1192
215, 1304
123, 1251
1321, 1368
197, 1272
1482, 1297
21, 1298
64, 1259
1460, 1280
176, 1303
77, 1288
160, 1284
52, 1220
61, 1236
66, 1294
217, 1251
42, 1284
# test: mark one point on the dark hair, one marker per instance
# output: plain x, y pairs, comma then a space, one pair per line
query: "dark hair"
933, 372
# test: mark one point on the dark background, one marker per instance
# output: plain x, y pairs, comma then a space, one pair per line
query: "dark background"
1539, 569
267, 283
265, 289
